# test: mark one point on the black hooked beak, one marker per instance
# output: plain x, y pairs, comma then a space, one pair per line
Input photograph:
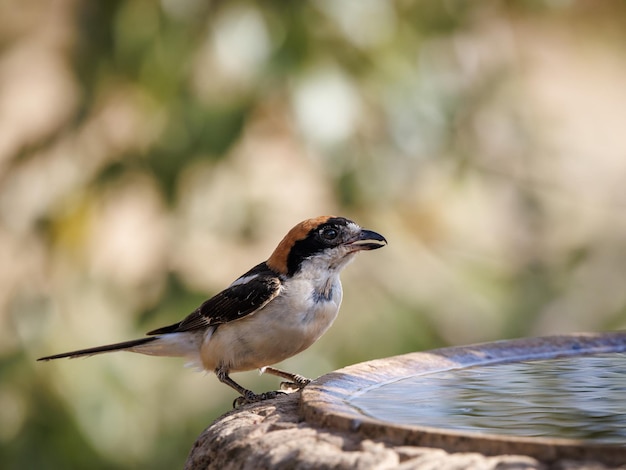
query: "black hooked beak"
368, 240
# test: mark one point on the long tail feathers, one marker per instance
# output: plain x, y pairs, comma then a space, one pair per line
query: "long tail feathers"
126, 345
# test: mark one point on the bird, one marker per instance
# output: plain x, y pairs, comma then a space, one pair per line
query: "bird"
272, 312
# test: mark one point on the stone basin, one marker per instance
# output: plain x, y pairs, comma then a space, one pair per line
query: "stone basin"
328, 401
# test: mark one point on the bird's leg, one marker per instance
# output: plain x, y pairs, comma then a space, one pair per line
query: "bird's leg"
247, 396
296, 381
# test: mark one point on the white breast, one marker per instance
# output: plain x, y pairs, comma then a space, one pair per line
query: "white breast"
286, 326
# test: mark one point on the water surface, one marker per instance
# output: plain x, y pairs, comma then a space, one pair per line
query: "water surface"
580, 397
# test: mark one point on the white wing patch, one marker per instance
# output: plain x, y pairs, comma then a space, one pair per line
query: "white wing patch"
243, 280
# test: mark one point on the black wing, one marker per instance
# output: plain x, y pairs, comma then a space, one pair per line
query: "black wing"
233, 303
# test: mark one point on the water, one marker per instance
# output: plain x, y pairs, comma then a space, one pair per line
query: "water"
580, 397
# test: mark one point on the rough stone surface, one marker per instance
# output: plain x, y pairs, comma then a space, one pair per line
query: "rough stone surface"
273, 434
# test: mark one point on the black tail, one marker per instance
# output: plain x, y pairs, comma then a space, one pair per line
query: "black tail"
101, 349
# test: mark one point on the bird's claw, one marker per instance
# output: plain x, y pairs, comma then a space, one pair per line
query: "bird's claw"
298, 383
254, 398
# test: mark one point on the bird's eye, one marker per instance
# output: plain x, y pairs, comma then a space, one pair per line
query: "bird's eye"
329, 233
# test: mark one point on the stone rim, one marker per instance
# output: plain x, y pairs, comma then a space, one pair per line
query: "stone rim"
324, 401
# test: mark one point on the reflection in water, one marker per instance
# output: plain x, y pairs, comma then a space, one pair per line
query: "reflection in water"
577, 397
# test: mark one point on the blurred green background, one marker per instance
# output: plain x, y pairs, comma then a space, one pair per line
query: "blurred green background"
151, 152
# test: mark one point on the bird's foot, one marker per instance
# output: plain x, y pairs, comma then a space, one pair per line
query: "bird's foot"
251, 397
298, 382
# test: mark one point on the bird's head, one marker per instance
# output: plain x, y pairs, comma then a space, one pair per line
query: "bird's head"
325, 242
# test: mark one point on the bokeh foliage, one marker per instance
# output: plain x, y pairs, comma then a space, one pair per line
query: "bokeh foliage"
150, 152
